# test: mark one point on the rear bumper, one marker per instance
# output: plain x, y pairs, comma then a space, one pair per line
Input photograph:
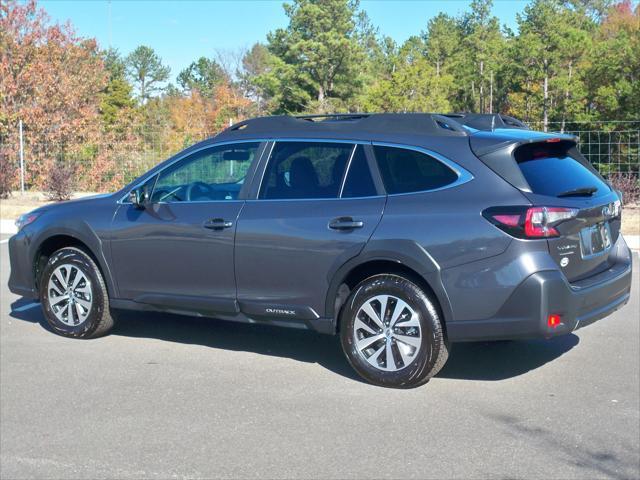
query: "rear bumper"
525, 313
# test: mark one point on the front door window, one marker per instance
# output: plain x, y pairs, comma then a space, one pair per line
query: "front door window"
211, 174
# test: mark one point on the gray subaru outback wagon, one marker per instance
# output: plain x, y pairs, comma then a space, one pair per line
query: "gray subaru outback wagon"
401, 233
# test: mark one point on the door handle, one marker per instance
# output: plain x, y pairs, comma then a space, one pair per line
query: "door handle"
217, 224
345, 223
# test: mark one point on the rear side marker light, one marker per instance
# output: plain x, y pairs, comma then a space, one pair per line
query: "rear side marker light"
529, 222
553, 321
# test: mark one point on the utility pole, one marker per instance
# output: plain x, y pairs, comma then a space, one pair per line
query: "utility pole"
491, 95
232, 161
21, 158
109, 17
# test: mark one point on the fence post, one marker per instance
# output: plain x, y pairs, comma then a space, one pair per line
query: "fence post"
21, 158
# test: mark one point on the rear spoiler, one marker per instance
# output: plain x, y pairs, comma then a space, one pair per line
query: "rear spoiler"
483, 143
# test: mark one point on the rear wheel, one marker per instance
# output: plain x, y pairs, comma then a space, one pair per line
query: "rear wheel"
74, 296
391, 332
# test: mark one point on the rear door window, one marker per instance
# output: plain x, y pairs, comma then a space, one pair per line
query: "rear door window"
359, 182
405, 171
554, 171
298, 170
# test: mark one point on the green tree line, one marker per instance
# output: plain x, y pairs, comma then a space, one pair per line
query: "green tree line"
567, 61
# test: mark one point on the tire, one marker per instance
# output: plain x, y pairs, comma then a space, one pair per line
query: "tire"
87, 309
417, 341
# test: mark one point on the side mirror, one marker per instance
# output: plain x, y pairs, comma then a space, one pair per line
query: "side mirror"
139, 197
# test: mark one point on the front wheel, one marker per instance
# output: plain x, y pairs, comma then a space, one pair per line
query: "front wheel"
74, 296
392, 334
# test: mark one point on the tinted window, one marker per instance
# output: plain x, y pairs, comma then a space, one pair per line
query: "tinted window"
406, 171
305, 170
359, 182
552, 171
215, 173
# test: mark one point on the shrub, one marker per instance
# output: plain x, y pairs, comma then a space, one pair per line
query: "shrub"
629, 184
605, 169
60, 181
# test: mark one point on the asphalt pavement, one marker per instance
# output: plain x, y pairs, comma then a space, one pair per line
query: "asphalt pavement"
176, 397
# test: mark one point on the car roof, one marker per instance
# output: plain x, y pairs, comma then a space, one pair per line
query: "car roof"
430, 130
379, 126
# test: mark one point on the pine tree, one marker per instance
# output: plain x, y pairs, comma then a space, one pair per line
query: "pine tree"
147, 72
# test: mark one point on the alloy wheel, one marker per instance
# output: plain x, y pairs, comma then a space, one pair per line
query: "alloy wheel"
387, 333
70, 295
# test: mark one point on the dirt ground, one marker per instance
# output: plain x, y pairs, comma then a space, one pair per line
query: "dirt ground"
19, 203
631, 220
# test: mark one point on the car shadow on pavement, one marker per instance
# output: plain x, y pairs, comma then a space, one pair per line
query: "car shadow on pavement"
468, 361
505, 359
300, 345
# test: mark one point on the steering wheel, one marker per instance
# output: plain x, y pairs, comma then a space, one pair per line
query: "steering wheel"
199, 189
163, 195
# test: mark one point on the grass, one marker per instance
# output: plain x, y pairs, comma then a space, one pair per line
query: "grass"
19, 203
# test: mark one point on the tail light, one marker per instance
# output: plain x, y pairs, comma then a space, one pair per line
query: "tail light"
553, 320
529, 222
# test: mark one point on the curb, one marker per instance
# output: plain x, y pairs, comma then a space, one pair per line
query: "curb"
633, 241
8, 227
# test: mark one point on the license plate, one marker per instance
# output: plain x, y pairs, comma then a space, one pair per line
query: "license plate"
595, 239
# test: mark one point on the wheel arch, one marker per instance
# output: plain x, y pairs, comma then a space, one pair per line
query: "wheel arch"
55, 240
422, 270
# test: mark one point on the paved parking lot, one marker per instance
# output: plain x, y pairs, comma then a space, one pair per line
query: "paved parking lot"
174, 397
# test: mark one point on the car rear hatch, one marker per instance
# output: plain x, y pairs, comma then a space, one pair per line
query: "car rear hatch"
576, 211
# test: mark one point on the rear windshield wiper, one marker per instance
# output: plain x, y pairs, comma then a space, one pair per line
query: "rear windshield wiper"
579, 192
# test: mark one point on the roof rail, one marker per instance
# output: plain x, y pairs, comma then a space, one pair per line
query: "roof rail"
487, 121
333, 116
380, 123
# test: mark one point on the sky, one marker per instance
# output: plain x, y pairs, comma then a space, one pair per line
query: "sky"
182, 31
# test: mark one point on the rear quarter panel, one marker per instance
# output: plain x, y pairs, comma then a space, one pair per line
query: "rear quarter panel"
448, 231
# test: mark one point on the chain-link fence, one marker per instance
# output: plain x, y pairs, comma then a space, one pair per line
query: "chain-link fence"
104, 161
611, 146
101, 161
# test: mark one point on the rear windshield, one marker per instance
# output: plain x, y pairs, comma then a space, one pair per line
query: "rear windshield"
554, 171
